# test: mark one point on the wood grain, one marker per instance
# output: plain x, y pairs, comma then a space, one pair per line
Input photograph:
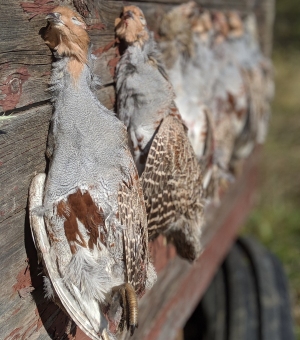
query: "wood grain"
25, 314
25, 65
25, 61
22, 149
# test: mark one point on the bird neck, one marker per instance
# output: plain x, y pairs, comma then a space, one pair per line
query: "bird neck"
236, 33
77, 53
75, 68
68, 75
142, 38
137, 39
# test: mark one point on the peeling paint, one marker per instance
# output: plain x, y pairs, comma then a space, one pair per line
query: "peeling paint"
47, 73
38, 7
15, 312
105, 48
24, 284
14, 335
112, 65
98, 26
112, 62
12, 88
29, 331
57, 328
23, 333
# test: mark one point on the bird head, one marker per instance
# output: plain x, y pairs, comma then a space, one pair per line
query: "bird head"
235, 23
176, 30
203, 22
176, 24
66, 33
132, 26
220, 23
206, 19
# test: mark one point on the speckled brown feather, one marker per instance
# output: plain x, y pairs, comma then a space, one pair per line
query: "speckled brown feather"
171, 175
132, 214
172, 186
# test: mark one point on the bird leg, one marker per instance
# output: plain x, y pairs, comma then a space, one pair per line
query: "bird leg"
129, 304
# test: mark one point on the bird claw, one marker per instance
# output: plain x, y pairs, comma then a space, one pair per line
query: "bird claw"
129, 304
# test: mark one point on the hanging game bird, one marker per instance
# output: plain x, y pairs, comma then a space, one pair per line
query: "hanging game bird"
230, 101
87, 215
184, 40
257, 74
171, 176
223, 87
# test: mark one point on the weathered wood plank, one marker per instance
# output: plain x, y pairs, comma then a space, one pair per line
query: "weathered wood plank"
22, 149
25, 314
22, 152
25, 64
25, 61
227, 4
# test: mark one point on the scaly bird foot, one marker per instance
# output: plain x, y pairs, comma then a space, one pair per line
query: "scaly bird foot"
130, 306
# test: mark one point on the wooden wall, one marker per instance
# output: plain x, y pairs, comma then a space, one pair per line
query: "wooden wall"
25, 64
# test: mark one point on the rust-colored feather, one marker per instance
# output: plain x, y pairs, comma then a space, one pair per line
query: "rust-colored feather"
81, 206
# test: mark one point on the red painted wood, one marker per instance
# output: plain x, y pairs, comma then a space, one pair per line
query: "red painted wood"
198, 278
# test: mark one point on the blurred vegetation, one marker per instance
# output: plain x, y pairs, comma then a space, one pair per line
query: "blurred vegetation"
287, 25
276, 217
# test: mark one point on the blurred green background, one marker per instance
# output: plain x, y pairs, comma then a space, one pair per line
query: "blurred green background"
275, 221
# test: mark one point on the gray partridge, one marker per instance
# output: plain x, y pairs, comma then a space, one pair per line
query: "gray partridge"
192, 74
230, 102
170, 173
257, 74
87, 214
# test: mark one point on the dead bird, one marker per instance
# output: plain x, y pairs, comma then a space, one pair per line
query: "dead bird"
87, 214
170, 173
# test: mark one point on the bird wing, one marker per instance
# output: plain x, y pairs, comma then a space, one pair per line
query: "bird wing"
172, 179
87, 314
132, 214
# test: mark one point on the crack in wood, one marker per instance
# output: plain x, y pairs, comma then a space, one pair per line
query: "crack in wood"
19, 110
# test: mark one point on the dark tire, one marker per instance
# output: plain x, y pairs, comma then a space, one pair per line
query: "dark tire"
243, 316
247, 300
209, 318
286, 321
273, 296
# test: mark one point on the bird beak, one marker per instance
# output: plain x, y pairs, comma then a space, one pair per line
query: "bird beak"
128, 15
53, 17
